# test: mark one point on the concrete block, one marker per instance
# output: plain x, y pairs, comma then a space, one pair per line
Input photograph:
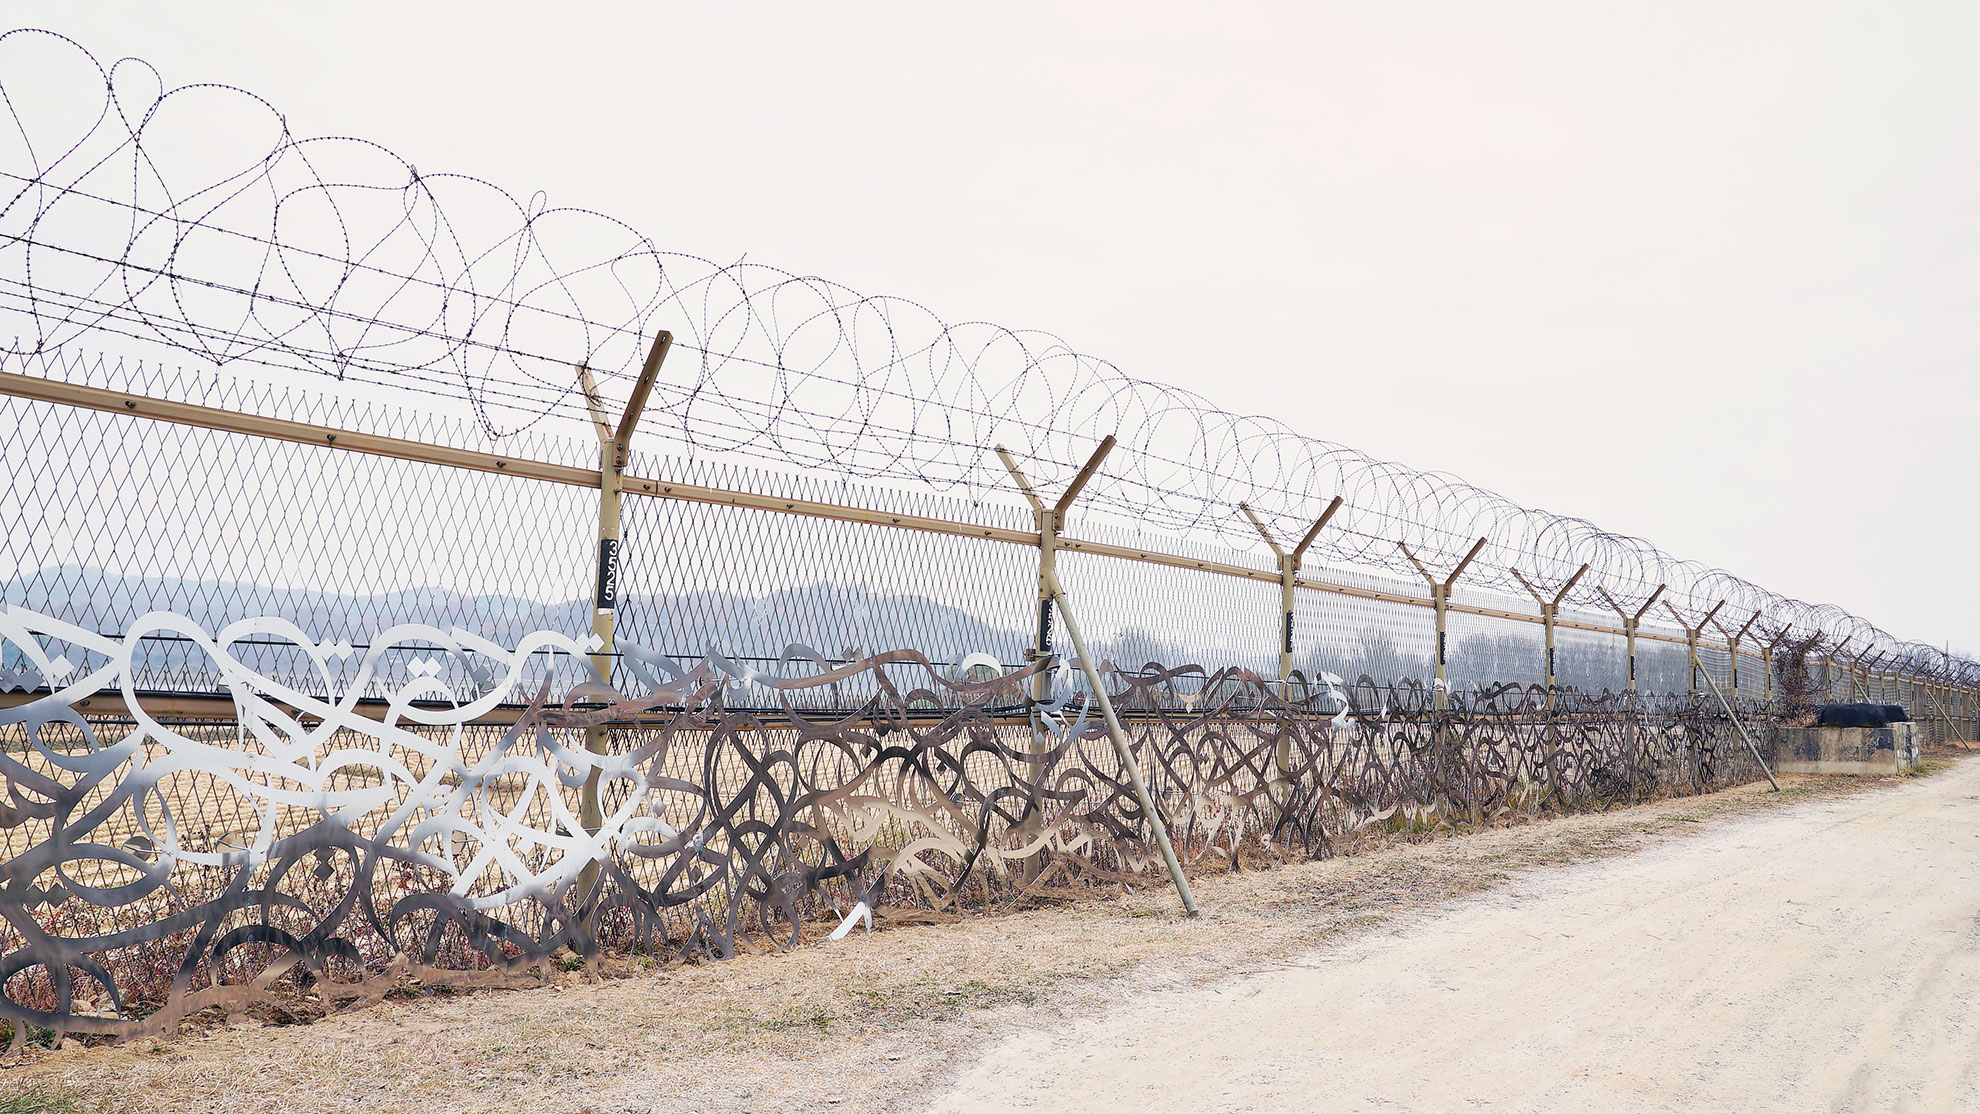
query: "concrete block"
1864, 751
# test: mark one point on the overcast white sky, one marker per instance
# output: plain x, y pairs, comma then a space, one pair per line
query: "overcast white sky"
1706, 273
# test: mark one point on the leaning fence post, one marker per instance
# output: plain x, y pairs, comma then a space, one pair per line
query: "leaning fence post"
1932, 691
1123, 752
614, 443
1743, 732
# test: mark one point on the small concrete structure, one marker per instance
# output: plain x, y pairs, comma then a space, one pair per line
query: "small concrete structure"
1868, 751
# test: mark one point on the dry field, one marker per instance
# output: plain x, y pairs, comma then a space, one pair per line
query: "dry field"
879, 1022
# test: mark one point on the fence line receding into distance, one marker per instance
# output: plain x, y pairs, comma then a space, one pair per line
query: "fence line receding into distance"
398, 572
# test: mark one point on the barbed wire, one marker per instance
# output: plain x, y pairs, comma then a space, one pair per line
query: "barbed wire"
193, 218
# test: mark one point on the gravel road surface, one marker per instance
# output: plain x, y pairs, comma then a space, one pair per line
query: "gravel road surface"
1825, 957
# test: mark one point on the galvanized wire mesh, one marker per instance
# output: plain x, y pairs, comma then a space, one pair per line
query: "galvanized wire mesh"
191, 221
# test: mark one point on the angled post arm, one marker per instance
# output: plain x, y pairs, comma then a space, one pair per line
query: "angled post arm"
1306, 543
1550, 609
1078, 483
1440, 595
1288, 565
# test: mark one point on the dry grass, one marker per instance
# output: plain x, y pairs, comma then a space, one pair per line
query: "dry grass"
40, 1097
1934, 758
869, 1023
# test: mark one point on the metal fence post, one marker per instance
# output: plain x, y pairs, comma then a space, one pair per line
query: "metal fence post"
1943, 708
1691, 634
1041, 644
1440, 596
1733, 639
1630, 622
1051, 520
1289, 577
1288, 574
1869, 673
1280, 790
1829, 673
1775, 693
1549, 610
614, 444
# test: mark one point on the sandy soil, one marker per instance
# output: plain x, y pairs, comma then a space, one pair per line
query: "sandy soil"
888, 1022
1821, 958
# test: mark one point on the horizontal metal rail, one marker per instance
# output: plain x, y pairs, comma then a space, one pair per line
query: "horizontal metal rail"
281, 429
221, 707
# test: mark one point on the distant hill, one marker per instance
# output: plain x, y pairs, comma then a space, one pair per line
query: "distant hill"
837, 620
832, 618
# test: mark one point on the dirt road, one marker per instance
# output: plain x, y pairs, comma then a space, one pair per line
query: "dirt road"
1825, 957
